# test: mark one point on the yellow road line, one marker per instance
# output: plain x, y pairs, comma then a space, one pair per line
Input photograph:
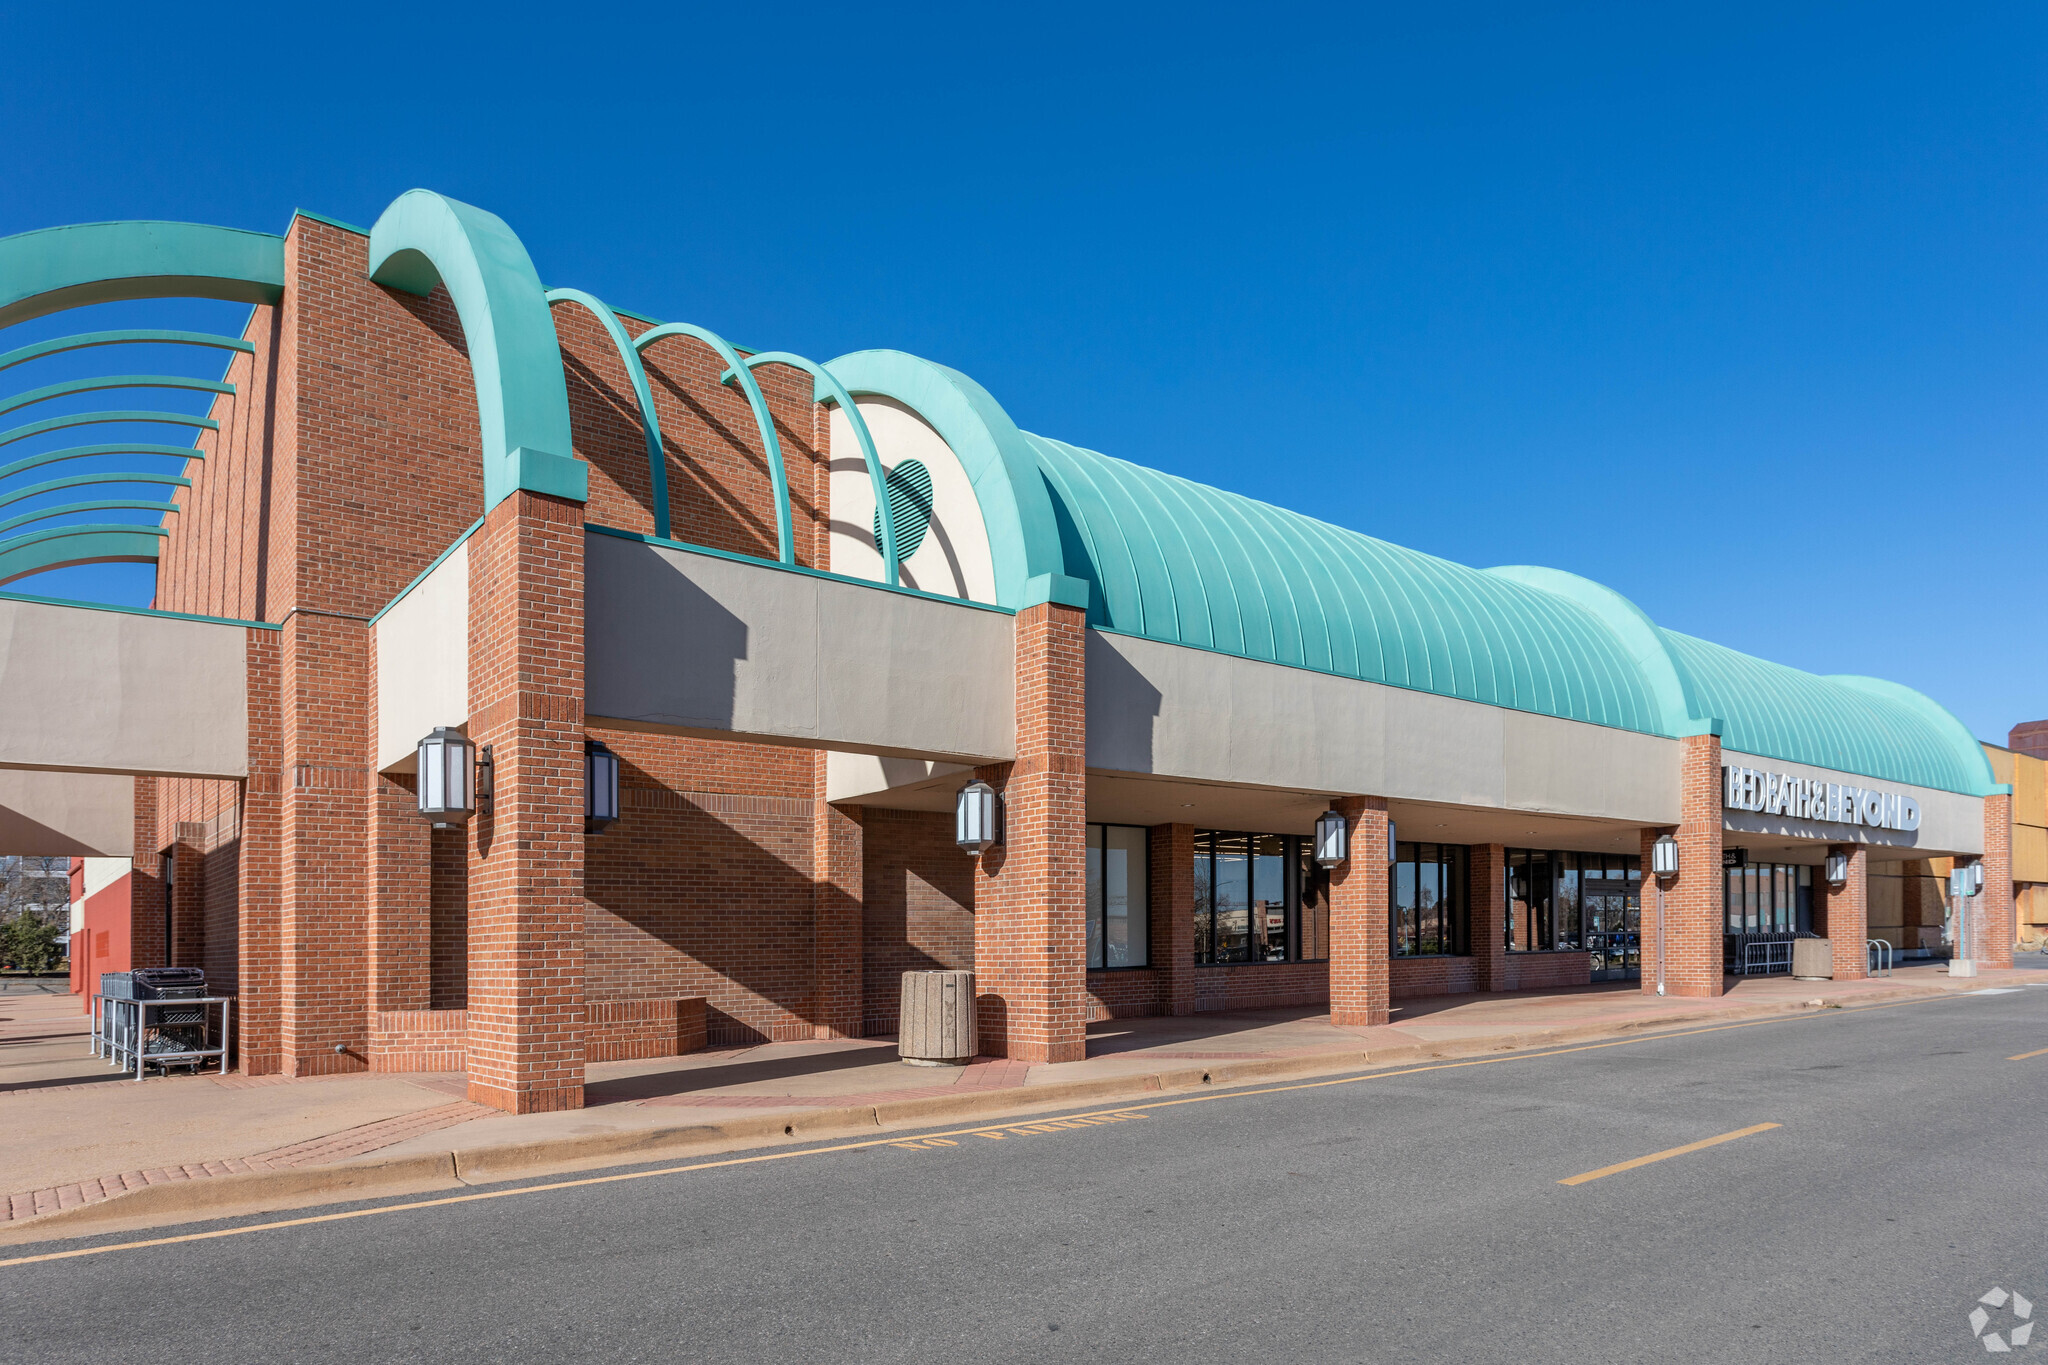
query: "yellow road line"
893, 1141
2024, 1055
1668, 1153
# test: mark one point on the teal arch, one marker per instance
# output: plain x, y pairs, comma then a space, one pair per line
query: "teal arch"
77, 508
650, 422
86, 480
764, 421
424, 239
100, 383
86, 419
52, 269
134, 336
69, 545
825, 388
49, 457
1024, 536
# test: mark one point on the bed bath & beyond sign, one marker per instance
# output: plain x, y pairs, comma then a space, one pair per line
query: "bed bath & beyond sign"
1803, 798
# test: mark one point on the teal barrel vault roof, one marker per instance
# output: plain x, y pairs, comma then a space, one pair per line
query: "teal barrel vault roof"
1176, 561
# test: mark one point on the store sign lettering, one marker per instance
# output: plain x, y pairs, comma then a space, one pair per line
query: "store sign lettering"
1803, 798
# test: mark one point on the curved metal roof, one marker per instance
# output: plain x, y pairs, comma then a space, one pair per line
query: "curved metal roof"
1173, 560
1176, 561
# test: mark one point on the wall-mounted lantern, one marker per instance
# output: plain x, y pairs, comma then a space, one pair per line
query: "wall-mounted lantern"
977, 818
446, 795
1333, 838
1838, 870
600, 787
1664, 856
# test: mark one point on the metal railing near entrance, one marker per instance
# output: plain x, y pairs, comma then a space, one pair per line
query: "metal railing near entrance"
1881, 954
1765, 956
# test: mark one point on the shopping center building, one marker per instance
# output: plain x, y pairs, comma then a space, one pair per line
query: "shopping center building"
796, 608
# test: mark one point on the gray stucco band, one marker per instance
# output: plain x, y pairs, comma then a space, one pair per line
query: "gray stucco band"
705, 644
104, 692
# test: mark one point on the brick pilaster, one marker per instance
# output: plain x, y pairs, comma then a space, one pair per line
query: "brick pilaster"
526, 905
1030, 891
1994, 929
324, 885
146, 944
1488, 893
1172, 901
1845, 914
259, 965
1358, 917
1693, 923
838, 879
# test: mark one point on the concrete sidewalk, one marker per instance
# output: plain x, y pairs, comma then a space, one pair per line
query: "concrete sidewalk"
78, 1134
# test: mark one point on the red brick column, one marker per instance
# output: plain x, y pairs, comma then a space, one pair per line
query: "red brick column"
399, 943
837, 886
146, 945
1994, 929
1358, 917
1487, 894
1845, 914
1693, 922
526, 903
1030, 891
323, 885
1171, 896
259, 967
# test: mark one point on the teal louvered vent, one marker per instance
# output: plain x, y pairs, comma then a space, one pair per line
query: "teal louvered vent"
910, 506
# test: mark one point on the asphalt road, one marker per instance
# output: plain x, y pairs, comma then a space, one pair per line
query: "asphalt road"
1408, 1218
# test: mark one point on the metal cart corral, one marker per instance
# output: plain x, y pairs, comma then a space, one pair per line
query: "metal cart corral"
122, 1029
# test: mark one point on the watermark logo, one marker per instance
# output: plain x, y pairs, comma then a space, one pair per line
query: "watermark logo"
2002, 1320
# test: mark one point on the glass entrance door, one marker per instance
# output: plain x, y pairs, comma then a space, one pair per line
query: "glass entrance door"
1614, 927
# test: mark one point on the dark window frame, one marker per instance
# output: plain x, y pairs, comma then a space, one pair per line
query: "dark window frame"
1563, 867
1299, 877
1098, 841
1454, 876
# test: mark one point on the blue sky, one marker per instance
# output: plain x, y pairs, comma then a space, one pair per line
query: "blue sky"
1740, 312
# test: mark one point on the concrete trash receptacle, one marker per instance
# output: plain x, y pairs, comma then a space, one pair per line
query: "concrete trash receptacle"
1813, 959
935, 1021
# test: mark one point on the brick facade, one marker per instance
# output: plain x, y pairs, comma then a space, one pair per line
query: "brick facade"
1994, 929
1842, 914
1359, 979
1693, 924
1030, 934
730, 903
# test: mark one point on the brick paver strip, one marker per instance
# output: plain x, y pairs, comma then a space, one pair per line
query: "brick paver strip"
350, 1142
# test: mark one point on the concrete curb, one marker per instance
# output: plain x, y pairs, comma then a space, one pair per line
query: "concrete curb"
299, 1187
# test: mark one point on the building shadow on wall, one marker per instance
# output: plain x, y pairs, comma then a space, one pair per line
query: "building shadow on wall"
658, 649
624, 1089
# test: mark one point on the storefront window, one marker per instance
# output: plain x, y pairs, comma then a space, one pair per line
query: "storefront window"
1429, 914
1259, 898
1560, 901
1769, 898
1119, 919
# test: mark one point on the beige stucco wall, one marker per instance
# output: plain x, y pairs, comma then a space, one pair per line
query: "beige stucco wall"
1173, 711
1948, 823
699, 643
112, 692
954, 559
79, 815
423, 662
